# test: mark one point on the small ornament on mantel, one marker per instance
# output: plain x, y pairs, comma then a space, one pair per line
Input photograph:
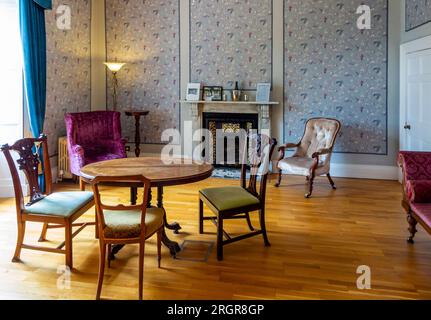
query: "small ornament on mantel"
236, 93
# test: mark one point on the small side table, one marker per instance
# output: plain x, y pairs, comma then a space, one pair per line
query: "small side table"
137, 114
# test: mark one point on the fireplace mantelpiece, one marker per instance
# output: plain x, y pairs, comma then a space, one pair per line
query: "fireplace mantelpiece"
263, 109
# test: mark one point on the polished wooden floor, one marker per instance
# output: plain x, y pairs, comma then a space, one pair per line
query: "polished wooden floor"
317, 245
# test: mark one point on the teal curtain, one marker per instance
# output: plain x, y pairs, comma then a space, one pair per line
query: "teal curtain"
45, 4
33, 37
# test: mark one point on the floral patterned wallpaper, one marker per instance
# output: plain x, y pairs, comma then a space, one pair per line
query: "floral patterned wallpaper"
333, 69
68, 67
145, 35
231, 40
418, 12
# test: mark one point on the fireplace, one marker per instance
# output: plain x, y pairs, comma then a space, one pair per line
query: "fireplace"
229, 123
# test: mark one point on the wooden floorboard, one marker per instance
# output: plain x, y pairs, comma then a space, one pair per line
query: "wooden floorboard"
317, 245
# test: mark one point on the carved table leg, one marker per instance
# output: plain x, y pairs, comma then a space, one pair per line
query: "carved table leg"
173, 246
133, 195
115, 249
173, 226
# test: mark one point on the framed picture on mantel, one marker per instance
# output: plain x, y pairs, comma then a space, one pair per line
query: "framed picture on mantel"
194, 91
263, 92
213, 93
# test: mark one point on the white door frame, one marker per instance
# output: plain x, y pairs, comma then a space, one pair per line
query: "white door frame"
406, 49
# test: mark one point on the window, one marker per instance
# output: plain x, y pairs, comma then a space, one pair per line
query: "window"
11, 80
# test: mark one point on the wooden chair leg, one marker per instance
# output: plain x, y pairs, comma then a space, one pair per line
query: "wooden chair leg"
109, 252
201, 216
263, 227
159, 247
412, 228
42, 237
279, 178
102, 260
69, 245
310, 186
219, 237
141, 269
97, 226
19, 242
81, 184
331, 181
250, 225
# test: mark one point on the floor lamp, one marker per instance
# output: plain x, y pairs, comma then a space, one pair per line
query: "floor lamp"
114, 67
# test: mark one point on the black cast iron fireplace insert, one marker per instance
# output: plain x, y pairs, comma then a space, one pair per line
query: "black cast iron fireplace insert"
228, 123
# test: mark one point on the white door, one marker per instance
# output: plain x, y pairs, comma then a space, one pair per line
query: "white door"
416, 95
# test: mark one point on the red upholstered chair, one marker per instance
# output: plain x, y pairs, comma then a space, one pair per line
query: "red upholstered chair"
417, 189
93, 137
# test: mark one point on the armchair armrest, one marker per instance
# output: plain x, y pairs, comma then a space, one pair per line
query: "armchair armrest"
282, 150
117, 147
288, 146
76, 158
321, 152
77, 149
418, 191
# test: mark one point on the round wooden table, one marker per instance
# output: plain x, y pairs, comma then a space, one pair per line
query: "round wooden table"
161, 175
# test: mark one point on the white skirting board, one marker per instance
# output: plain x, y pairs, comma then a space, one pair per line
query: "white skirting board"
356, 171
365, 171
6, 183
6, 188
340, 170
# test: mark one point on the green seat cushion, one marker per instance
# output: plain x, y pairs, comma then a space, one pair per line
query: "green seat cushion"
229, 198
60, 204
127, 224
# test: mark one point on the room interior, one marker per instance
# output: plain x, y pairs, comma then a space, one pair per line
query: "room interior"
324, 192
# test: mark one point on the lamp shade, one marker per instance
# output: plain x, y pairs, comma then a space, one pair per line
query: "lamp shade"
114, 66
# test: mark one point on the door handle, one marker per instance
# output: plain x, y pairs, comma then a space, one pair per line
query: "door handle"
408, 127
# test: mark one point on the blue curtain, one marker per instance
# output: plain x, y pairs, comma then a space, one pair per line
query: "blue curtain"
33, 37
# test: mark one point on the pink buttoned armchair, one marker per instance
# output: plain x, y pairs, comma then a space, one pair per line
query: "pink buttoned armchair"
417, 189
313, 153
93, 137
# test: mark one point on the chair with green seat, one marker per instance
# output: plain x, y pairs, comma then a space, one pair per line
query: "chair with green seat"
122, 225
54, 210
238, 202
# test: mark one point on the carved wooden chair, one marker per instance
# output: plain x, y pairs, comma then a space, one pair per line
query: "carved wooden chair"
121, 225
313, 153
237, 202
54, 210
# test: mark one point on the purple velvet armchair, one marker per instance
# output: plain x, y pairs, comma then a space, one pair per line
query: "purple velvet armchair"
417, 189
93, 137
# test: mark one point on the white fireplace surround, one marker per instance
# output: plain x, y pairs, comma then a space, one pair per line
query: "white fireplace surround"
262, 109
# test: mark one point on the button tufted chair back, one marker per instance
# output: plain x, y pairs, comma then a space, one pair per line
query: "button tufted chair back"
320, 133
